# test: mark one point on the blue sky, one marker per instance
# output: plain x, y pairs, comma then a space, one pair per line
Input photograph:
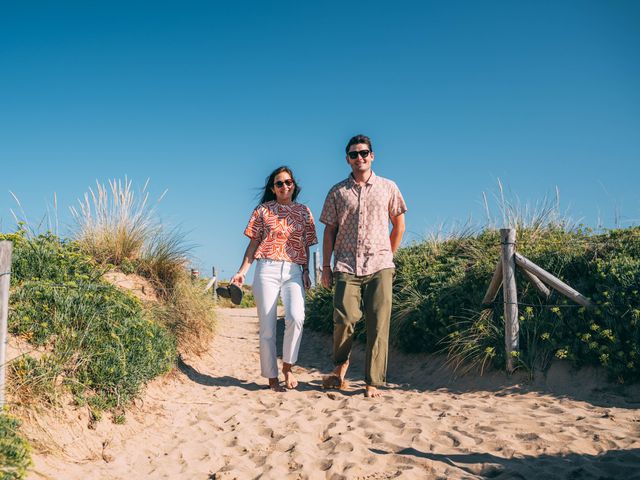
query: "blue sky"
206, 98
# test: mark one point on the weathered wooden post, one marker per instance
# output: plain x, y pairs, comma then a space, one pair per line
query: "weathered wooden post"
317, 270
5, 274
494, 285
511, 326
215, 283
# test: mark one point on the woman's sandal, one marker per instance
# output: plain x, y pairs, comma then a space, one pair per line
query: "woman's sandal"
231, 291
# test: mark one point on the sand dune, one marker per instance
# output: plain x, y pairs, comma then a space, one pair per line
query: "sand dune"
213, 419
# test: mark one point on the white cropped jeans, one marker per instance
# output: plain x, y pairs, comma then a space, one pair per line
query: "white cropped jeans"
275, 278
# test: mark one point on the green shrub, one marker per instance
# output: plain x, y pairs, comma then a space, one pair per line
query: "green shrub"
440, 286
98, 339
14, 449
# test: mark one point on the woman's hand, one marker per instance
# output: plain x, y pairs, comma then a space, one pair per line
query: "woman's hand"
327, 277
238, 279
306, 280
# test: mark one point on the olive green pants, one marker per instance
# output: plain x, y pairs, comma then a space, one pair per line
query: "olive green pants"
371, 295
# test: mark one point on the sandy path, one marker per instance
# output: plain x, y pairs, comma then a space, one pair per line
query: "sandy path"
214, 420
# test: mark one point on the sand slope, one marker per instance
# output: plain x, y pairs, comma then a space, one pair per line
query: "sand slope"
214, 420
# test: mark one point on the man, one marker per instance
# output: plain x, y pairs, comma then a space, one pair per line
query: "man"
356, 215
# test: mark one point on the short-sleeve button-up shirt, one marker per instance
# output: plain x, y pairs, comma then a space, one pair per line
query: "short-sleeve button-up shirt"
284, 231
362, 214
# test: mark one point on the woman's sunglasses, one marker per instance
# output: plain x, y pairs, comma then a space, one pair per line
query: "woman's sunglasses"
362, 153
279, 184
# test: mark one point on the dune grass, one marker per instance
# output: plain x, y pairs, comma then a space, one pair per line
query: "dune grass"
117, 226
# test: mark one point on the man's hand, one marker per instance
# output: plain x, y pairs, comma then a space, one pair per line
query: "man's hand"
327, 277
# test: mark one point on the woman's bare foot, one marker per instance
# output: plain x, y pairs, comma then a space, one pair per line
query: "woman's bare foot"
274, 384
289, 379
372, 392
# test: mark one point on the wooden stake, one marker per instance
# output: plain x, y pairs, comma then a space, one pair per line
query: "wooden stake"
511, 326
317, 269
214, 277
494, 286
541, 287
5, 276
552, 281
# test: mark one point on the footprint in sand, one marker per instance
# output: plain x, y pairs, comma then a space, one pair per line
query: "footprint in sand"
477, 440
528, 437
265, 432
399, 424
485, 428
344, 447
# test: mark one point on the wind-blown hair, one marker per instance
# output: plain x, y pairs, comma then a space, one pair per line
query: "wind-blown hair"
267, 193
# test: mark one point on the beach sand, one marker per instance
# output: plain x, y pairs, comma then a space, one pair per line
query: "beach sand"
213, 419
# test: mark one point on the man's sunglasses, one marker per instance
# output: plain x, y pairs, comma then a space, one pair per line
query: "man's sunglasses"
279, 184
362, 153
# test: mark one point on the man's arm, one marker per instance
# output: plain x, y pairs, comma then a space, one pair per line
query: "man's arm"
397, 231
328, 241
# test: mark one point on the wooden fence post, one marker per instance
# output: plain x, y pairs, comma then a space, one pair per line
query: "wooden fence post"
511, 326
215, 283
317, 270
5, 276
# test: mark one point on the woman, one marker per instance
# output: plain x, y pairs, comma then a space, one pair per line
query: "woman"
281, 232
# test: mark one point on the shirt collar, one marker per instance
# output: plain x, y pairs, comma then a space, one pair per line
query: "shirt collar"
370, 181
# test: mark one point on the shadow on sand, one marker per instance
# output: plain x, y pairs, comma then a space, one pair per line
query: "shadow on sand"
613, 464
209, 381
426, 372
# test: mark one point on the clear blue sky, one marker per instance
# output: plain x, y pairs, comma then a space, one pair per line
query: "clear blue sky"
206, 98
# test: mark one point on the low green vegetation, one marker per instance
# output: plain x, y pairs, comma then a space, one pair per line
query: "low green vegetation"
90, 336
14, 449
440, 285
92, 340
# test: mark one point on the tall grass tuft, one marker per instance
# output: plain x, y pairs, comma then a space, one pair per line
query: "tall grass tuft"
118, 227
113, 222
188, 312
163, 260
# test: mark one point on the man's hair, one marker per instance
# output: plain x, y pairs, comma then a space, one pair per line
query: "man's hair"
359, 139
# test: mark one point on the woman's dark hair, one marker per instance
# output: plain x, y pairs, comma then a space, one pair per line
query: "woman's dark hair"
267, 193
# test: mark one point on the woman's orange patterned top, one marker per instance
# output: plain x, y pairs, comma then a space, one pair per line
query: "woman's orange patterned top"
284, 231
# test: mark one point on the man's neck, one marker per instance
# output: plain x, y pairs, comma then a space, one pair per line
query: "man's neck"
362, 177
